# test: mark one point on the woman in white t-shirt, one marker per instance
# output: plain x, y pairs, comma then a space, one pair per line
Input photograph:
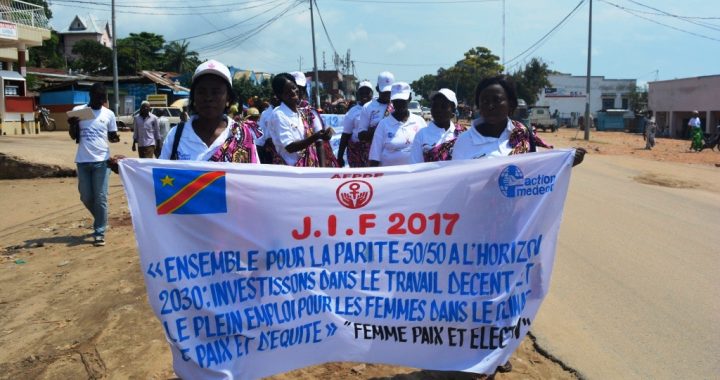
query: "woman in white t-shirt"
394, 134
294, 136
209, 134
435, 143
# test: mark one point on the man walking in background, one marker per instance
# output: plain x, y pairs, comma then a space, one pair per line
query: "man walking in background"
146, 133
92, 136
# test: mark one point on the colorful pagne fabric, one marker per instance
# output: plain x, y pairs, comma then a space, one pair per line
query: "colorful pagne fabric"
443, 151
308, 156
358, 151
239, 146
520, 139
697, 139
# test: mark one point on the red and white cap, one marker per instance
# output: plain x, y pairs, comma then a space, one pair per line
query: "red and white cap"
447, 93
385, 81
365, 83
300, 79
213, 67
400, 90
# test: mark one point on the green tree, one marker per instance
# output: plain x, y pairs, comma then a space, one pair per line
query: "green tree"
140, 51
246, 90
638, 99
425, 86
477, 63
93, 57
179, 58
531, 79
49, 54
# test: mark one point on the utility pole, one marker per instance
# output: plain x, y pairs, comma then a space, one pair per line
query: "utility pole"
116, 86
300, 63
312, 29
504, 57
587, 84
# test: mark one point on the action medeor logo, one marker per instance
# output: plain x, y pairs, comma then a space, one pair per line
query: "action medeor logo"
512, 183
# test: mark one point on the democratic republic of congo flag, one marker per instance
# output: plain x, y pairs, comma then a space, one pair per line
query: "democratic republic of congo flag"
189, 191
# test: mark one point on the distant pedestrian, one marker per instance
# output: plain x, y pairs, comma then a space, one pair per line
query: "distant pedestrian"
146, 132
372, 113
356, 149
92, 158
650, 130
696, 135
394, 135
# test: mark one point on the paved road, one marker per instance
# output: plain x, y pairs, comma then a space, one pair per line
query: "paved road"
635, 289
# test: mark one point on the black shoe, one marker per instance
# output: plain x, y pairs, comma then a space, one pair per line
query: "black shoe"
99, 241
505, 368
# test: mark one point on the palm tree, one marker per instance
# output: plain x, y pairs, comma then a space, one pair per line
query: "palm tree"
179, 57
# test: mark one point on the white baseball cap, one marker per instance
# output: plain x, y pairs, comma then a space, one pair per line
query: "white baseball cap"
365, 83
213, 67
447, 93
400, 90
300, 79
385, 81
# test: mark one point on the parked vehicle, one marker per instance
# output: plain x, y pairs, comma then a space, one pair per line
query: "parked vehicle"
426, 113
46, 122
414, 107
171, 113
540, 118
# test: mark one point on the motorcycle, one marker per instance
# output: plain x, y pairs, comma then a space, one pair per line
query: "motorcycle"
46, 122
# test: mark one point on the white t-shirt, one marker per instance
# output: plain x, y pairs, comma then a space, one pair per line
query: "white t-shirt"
286, 128
93, 146
695, 122
264, 124
428, 137
371, 115
393, 139
191, 146
471, 144
352, 121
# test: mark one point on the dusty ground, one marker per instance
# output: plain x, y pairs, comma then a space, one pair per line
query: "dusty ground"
70, 310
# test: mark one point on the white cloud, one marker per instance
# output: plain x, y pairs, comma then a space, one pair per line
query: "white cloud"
397, 46
359, 34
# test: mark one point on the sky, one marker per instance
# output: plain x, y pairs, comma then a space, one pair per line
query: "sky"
645, 40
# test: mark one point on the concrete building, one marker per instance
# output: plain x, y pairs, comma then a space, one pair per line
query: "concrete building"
674, 100
85, 28
23, 25
567, 94
336, 84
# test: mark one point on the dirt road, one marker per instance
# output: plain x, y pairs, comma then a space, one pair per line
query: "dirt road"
633, 293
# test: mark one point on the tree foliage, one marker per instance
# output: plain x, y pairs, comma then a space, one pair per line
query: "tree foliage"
179, 58
638, 99
246, 90
44, 4
93, 57
531, 79
140, 51
476, 64
49, 54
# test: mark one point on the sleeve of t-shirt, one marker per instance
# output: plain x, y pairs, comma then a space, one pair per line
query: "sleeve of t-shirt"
416, 150
348, 122
364, 121
283, 131
112, 125
167, 145
377, 143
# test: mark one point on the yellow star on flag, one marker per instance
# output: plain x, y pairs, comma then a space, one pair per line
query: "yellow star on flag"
167, 181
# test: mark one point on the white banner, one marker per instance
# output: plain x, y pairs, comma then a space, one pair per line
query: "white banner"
255, 270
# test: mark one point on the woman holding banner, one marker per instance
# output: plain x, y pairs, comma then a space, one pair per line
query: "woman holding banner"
494, 134
209, 134
435, 143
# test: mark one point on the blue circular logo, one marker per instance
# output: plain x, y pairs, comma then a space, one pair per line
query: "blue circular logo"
510, 178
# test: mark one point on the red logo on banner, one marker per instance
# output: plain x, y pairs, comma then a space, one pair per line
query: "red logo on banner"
354, 194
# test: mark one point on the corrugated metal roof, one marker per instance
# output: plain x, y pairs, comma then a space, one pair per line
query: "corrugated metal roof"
163, 79
88, 24
14, 75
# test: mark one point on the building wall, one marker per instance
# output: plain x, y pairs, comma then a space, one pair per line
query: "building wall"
567, 94
676, 99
